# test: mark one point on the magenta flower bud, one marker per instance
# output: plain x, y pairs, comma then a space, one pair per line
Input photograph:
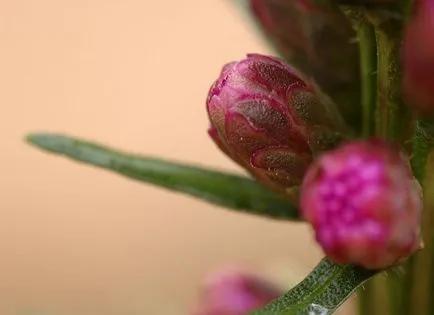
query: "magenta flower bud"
363, 204
318, 40
418, 58
231, 292
268, 119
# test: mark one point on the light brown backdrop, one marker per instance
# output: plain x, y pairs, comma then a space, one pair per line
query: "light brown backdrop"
133, 74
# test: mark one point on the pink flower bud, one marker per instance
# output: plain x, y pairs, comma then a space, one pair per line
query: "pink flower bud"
363, 204
418, 58
268, 119
318, 40
231, 292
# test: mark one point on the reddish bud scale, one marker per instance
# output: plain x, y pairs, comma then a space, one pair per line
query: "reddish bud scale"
231, 292
363, 204
306, 29
268, 119
318, 40
418, 58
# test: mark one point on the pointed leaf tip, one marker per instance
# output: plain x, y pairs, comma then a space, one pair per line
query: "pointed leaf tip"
227, 190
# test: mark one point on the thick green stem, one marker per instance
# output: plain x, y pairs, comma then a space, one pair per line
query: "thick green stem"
365, 299
371, 298
368, 64
390, 109
372, 301
391, 122
419, 281
368, 52
429, 226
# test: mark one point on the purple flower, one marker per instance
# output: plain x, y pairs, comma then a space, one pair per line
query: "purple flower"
231, 292
418, 58
363, 204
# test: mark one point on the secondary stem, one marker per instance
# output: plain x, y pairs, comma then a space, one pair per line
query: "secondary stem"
368, 297
368, 52
391, 121
390, 109
368, 64
420, 277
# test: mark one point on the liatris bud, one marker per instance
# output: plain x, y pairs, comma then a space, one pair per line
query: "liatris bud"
318, 40
231, 292
418, 58
364, 204
269, 120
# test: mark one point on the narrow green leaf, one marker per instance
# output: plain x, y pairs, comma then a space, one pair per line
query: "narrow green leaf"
223, 189
321, 292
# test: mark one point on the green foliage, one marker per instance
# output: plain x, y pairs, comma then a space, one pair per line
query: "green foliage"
321, 292
223, 189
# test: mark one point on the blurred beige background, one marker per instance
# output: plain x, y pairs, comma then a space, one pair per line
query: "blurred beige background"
133, 74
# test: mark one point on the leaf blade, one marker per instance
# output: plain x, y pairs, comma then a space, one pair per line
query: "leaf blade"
321, 292
223, 189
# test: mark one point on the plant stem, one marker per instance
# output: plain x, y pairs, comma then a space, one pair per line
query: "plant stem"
368, 52
370, 297
389, 101
368, 64
372, 301
391, 122
419, 281
429, 226
365, 299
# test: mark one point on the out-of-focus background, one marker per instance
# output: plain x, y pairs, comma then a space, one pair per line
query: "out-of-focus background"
133, 74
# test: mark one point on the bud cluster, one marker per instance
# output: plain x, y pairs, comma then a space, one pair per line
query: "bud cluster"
360, 196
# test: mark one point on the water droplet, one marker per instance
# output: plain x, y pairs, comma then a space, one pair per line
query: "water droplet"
316, 309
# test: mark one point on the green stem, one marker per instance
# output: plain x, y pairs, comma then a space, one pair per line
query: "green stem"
370, 297
391, 122
423, 144
365, 299
368, 52
368, 64
429, 229
368, 70
419, 281
390, 109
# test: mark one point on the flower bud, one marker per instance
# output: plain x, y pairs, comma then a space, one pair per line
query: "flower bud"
418, 58
269, 120
231, 292
320, 41
363, 204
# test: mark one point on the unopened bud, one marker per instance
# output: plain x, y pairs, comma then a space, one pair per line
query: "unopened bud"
363, 204
231, 292
320, 41
418, 59
267, 118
